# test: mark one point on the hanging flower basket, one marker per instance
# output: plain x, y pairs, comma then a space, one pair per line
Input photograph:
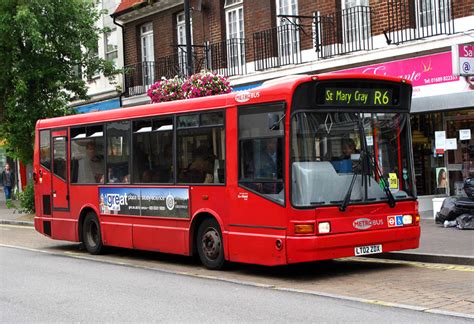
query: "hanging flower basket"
198, 85
166, 90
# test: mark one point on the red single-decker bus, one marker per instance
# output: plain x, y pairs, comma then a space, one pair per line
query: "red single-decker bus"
302, 168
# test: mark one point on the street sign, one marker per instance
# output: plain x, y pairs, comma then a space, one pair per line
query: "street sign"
463, 59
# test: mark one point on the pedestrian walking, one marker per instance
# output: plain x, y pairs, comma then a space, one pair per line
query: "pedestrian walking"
8, 181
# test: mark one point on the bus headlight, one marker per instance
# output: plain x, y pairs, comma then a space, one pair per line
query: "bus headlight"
407, 219
324, 227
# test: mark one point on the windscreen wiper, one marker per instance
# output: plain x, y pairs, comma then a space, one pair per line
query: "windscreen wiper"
347, 197
383, 183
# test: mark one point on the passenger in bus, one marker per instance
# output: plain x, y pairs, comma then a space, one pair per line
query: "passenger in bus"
125, 179
147, 176
91, 167
202, 168
111, 177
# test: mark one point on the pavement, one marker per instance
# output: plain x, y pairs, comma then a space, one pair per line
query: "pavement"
437, 244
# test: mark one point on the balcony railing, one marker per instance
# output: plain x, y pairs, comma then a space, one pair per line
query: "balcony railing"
140, 76
227, 57
408, 20
343, 32
276, 47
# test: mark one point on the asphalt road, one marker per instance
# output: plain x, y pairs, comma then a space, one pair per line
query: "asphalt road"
40, 287
426, 288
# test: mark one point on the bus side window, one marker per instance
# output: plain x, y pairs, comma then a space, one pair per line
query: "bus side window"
201, 148
45, 149
87, 154
118, 152
153, 151
261, 142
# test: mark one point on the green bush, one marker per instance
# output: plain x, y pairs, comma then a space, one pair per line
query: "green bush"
10, 204
27, 199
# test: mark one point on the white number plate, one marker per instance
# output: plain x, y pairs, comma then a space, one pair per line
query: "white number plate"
369, 249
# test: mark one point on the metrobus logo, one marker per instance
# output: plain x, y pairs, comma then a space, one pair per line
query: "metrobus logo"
365, 223
245, 96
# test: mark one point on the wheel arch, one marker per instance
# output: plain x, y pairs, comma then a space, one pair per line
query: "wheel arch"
198, 217
85, 209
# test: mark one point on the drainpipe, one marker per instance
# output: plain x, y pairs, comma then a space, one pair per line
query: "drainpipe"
123, 51
189, 54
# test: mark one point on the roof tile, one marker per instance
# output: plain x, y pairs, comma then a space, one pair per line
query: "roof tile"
127, 4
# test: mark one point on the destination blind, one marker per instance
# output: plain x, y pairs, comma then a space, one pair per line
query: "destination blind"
352, 97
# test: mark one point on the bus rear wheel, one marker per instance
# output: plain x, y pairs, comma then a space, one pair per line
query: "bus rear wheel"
91, 235
209, 244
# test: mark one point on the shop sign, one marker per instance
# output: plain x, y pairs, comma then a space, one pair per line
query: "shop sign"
424, 72
463, 59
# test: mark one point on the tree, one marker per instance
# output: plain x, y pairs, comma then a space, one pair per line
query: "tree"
45, 47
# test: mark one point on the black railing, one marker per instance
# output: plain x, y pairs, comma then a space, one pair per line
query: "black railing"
227, 57
276, 47
140, 76
411, 20
343, 32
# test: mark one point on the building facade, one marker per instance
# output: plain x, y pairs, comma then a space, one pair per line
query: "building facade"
254, 41
105, 93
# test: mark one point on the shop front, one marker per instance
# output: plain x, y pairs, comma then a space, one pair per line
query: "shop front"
441, 168
442, 123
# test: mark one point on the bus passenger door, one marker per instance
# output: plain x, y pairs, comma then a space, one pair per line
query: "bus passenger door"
60, 188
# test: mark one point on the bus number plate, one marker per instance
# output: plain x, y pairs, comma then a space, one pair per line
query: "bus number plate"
369, 249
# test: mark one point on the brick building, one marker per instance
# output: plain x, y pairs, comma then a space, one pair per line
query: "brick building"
252, 41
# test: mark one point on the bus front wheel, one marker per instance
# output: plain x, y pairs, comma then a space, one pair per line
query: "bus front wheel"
91, 234
209, 244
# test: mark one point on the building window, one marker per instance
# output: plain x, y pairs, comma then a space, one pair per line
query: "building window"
148, 54
94, 55
432, 12
111, 46
355, 20
181, 38
288, 37
234, 15
261, 154
229, 3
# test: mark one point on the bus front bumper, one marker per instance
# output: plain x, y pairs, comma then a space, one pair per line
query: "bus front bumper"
333, 246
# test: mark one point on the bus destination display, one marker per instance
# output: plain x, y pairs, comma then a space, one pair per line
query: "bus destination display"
358, 97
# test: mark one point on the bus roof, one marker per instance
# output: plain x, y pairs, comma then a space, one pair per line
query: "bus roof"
273, 90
